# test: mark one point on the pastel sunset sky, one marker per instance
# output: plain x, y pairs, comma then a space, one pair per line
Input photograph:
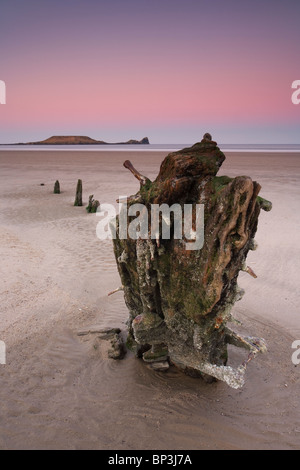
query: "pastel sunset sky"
167, 69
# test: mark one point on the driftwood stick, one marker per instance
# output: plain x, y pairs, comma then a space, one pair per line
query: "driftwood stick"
115, 290
249, 270
142, 179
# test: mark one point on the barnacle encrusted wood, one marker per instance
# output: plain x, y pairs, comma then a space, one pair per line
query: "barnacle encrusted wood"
180, 299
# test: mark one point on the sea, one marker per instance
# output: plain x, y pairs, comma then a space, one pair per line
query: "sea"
155, 147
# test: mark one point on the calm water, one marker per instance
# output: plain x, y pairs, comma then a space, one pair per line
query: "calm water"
155, 147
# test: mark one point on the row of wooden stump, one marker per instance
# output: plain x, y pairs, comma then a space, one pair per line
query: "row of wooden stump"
93, 203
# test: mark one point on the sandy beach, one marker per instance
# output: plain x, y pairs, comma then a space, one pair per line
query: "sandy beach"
59, 390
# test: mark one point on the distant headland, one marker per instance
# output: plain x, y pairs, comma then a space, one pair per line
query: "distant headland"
80, 140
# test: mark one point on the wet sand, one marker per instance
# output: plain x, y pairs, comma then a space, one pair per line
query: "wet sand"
59, 390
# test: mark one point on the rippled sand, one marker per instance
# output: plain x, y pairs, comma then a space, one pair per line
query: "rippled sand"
59, 390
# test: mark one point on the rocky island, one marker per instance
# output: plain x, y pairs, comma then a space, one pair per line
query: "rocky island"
80, 140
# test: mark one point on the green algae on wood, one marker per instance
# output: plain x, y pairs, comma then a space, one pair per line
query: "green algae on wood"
93, 205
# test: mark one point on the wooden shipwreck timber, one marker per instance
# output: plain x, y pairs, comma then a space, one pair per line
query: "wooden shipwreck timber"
180, 299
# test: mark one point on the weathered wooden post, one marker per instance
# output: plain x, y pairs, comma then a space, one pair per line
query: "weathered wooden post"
78, 197
180, 298
56, 187
92, 205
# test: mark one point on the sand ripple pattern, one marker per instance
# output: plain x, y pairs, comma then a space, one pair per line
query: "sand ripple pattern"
60, 391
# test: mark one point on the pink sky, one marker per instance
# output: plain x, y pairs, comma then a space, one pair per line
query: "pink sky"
112, 73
